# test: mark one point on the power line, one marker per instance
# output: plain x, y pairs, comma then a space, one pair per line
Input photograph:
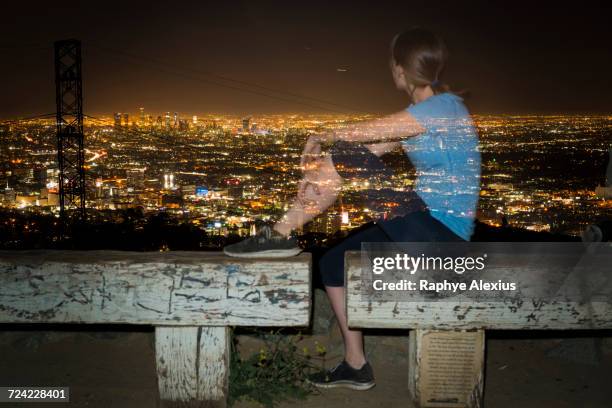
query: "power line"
43, 116
227, 78
239, 85
207, 81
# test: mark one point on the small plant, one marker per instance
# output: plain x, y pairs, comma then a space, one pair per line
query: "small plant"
276, 373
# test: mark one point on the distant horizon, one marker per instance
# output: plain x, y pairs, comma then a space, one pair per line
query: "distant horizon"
189, 115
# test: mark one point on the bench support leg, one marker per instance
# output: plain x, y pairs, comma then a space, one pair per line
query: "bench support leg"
192, 366
446, 368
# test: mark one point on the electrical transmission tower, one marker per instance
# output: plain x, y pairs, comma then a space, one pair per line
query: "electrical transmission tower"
69, 101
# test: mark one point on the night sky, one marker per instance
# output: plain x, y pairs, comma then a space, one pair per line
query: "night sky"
226, 56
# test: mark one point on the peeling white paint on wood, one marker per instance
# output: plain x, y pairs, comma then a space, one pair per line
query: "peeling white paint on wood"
213, 363
171, 288
191, 298
192, 365
516, 314
450, 322
176, 356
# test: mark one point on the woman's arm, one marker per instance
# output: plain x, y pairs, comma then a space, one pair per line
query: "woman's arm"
390, 128
380, 135
321, 183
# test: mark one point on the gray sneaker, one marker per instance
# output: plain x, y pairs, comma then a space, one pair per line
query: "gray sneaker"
266, 244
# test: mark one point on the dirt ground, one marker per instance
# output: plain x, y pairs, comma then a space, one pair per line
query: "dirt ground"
117, 369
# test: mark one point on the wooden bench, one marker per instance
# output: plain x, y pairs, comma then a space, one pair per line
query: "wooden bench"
447, 340
190, 297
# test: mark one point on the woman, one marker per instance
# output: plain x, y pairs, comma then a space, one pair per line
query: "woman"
438, 137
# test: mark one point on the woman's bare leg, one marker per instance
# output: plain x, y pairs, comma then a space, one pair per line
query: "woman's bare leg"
353, 339
320, 188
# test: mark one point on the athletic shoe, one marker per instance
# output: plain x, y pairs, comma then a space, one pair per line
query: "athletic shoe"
266, 244
345, 376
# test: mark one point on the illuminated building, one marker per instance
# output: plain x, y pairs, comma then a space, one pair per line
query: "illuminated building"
183, 125
345, 217
201, 192
98, 188
53, 199
172, 201
135, 179
39, 176
234, 189
169, 182
327, 223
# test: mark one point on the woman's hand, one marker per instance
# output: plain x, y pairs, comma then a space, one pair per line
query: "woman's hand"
307, 192
313, 150
311, 153
312, 160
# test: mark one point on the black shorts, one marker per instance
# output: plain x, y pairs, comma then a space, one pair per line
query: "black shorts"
414, 225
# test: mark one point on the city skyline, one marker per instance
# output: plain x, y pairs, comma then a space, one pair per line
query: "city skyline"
224, 173
247, 58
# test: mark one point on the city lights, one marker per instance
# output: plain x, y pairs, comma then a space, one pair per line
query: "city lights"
215, 169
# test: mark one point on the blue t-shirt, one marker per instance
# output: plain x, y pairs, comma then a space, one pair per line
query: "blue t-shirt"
447, 161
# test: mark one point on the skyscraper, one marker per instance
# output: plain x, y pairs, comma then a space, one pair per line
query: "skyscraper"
169, 182
135, 179
183, 125
117, 117
235, 188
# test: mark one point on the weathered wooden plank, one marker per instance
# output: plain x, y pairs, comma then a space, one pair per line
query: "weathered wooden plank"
214, 360
517, 314
446, 368
192, 366
176, 357
170, 288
